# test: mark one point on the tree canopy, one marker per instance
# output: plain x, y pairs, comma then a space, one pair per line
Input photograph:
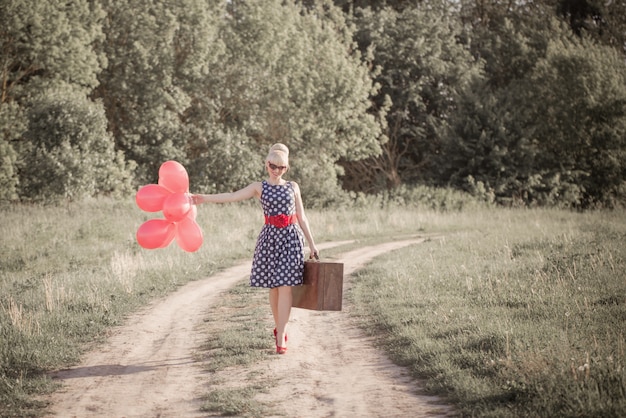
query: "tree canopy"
523, 100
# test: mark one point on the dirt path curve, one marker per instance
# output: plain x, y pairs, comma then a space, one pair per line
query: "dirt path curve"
146, 368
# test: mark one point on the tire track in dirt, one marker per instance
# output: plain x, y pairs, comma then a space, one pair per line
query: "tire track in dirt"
147, 369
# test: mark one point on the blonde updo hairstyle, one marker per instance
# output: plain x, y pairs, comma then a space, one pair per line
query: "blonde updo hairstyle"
279, 155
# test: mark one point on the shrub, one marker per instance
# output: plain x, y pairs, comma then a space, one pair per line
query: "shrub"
13, 125
68, 153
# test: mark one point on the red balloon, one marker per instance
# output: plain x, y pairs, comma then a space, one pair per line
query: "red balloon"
156, 233
188, 235
193, 212
151, 197
176, 206
173, 176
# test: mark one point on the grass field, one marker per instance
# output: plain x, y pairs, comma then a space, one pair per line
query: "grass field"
522, 313
512, 313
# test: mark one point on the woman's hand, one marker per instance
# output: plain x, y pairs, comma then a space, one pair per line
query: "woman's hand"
196, 199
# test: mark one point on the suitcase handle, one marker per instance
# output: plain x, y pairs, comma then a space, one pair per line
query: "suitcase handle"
317, 257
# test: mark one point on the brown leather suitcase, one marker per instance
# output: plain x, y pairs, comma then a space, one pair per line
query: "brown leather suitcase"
322, 289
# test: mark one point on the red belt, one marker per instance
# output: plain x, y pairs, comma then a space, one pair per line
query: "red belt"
281, 221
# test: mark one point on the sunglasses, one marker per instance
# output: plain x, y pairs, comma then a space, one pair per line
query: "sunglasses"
277, 167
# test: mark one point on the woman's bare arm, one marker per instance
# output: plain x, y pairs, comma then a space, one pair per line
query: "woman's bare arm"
303, 221
248, 192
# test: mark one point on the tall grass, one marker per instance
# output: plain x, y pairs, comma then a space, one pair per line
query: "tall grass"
519, 313
509, 305
68, 273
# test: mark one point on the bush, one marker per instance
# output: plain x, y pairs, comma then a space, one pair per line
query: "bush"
424, 197
68, 153
13, 125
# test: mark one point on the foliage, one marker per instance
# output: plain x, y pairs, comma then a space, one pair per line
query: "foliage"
46, 47
422, 67
13, 125
602, 21
368, 95
216, 100
580, 124
424, 198
551, 134
159, 54
303, 85
48, 42
68, 153
485, 144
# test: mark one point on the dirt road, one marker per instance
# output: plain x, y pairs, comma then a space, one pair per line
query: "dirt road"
146, 368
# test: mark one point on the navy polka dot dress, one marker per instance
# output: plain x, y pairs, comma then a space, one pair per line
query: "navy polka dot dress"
279, 253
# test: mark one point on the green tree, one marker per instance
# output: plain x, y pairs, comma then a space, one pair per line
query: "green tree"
68, 153
48, 41
397, 5
421, 69
291, 75
13, 124
47, 62
487, 147
601, 20
489, 137
580, 123
159, 52
546, 123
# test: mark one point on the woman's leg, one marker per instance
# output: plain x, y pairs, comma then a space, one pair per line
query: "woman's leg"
283, 312
274, 304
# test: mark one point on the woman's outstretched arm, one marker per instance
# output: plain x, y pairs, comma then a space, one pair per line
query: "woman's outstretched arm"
248, 192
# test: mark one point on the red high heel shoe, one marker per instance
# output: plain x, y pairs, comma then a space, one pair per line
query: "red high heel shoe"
279, 349
286, 339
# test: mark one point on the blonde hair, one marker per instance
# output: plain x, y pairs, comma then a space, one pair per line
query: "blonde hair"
279, 154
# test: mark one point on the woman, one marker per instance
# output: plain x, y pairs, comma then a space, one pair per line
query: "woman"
278, 261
